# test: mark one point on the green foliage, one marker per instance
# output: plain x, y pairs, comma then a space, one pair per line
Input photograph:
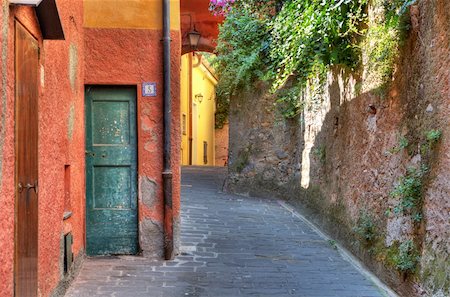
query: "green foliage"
332, 243
289, 101
321, 153
365, 228
433, 136
383, 40
242, 46
402, 144
382, 47
242, 160
409, 191
406, 257
292, 43
307, 35
303, 40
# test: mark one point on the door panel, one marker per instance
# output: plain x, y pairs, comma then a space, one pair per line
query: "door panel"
26, 244
111, 171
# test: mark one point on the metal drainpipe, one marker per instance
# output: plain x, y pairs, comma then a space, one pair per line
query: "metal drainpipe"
190, 109
167, 172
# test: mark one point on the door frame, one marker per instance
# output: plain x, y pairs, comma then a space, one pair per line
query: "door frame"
137, 122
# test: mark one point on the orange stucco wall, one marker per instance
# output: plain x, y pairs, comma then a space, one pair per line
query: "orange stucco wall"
129, 14
88, 55
116, 56
61, 142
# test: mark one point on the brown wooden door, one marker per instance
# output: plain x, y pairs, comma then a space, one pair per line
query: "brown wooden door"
26, 243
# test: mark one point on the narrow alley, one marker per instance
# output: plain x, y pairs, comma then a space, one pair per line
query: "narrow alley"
231, 246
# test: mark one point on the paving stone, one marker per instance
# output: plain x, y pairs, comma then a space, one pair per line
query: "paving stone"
231, 246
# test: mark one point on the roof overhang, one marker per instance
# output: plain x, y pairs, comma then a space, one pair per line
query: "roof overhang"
49, 21
48, 17
196, 14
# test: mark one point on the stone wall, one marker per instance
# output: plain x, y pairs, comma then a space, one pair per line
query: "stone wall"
340, 160
221, 146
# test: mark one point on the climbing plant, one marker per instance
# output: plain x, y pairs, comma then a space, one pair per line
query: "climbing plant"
408, 193
276, 40
242, 55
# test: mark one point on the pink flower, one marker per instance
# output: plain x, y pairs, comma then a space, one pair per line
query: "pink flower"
220, 7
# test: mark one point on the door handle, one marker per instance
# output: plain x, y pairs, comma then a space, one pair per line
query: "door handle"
28, 186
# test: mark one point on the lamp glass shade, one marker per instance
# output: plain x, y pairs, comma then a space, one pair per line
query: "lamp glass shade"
199, 98
194, 37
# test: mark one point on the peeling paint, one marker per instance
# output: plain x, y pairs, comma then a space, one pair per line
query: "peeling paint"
148, 189
151, 238
4, 82
176, 235
73, 65
71, 121
42, 76
148, 146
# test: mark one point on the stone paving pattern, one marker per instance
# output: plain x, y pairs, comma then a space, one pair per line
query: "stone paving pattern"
230, 246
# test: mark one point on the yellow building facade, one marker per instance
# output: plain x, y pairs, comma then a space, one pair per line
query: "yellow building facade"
197, 106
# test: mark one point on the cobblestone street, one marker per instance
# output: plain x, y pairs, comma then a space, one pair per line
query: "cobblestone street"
231, 246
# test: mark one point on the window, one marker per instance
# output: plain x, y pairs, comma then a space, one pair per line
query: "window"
183, 124
205, 152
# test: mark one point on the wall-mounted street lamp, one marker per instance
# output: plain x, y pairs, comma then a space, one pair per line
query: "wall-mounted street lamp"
25, 2
199, 97
194, 37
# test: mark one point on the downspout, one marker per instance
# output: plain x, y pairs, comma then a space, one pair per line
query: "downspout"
167, 171
190, 109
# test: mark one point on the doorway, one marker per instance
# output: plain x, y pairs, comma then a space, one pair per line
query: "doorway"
26, 142
111, 171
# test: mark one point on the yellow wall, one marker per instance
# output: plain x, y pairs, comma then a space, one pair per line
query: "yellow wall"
184, 107
129, 14
203, 82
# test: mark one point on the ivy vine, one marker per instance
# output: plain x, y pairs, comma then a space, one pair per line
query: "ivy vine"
295, 40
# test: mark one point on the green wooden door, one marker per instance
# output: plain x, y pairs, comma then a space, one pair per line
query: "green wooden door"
111, 171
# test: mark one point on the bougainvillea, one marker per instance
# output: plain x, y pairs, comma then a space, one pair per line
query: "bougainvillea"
220, 7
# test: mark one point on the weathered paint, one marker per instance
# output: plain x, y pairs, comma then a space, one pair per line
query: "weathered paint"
129, 14
151, 237
71, 121
59, 147
4, 15
111, 168
128, 57
73, 65
148, 189
55, 148
6, 177
135, 59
